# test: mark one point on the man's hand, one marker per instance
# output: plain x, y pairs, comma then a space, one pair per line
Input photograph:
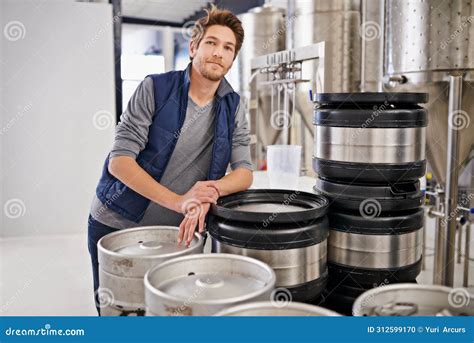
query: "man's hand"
202, 192
195, 215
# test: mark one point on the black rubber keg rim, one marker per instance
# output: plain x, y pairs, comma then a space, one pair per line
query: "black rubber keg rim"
399, 223
390, 197
369, 172
373, 97
370, 276
309, 291
268, 237
362, 119
355, 190
315, 206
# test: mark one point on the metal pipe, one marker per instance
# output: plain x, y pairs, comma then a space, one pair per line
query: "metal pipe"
287, 119
467, 242
452, 171
439, 238
254, 115
423, 254
467, 247
459, 244
168, 48
117, 27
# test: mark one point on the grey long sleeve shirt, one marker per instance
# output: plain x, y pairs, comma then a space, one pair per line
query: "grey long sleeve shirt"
191, 157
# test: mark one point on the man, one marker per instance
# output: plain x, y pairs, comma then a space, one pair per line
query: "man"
175, 141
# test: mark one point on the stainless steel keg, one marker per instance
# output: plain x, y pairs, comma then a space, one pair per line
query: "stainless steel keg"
124, 258
202, 285
286, 229
269, 308
382, 249
370, 137
415, 300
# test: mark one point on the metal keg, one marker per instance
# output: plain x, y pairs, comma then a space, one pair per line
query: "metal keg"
374, 250
415, 300
269, 308
202, 285
376, 198
286, 229
370, 137
124, 258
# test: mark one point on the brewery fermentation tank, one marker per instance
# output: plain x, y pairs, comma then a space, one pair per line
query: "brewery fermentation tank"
429, 47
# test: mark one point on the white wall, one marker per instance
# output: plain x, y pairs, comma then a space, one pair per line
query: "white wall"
57, 113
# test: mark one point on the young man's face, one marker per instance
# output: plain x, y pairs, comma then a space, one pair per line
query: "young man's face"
215, 54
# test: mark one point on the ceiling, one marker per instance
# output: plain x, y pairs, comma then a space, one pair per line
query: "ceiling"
176, 11
181, 11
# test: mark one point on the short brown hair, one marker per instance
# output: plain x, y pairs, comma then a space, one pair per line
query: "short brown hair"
222, 17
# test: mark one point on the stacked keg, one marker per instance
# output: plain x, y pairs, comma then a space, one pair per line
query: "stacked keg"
286, 229
369, 155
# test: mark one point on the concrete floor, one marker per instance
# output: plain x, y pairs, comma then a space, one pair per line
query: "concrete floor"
52, 276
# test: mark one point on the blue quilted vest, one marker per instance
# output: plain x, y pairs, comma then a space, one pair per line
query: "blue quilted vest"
171, 100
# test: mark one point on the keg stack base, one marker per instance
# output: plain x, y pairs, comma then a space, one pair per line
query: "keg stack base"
369, 156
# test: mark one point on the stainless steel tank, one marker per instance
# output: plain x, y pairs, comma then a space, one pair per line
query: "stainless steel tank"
264, 33
202, 285
414, 300
338, 24
425, 41
430, 47
124, 258
269, 308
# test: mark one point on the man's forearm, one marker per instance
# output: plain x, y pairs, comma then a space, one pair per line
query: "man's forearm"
238, 180
127, 170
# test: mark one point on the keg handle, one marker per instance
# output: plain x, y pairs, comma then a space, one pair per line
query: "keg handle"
396, 309
403, 188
